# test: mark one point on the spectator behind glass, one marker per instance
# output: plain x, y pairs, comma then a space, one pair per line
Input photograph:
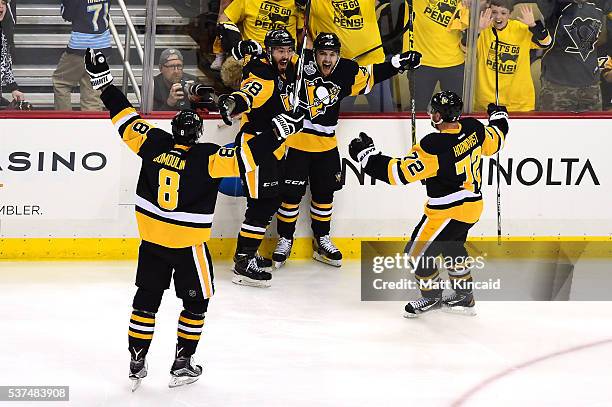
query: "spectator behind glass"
437, 35
169, 84
570, 73
606, 83
89, 20
7, 80
516, 39
355, 23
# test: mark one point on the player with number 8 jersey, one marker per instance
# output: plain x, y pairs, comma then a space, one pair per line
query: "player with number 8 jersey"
175, 201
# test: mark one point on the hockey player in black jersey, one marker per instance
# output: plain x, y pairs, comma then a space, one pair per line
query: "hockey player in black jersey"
312, 155
265, 80
175, 201
451, 161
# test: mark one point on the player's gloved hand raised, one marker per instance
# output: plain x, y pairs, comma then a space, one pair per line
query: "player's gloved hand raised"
406, 61
496, 112
288, 123
229, 35
301, 4
362, 148
226, 103
246, 47
98, 69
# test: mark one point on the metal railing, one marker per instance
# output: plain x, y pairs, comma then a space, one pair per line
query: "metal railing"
124, 50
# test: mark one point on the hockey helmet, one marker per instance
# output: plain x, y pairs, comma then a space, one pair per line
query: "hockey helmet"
448, 104
279, 38
186, 127
326, 41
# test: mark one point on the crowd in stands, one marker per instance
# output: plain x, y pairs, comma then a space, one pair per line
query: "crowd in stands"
544, 55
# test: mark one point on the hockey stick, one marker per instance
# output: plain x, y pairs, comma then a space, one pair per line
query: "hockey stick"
497, 155
410, 75
299, 72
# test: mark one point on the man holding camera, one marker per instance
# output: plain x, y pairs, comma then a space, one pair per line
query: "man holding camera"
169, 93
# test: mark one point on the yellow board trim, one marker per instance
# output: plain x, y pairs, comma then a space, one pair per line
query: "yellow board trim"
223, 248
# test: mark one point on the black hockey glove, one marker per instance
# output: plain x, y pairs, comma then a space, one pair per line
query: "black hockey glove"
406, 61
226, 103
288, 123
98, 69
361, 148
229, 35
301, 4
247, 47
497, 112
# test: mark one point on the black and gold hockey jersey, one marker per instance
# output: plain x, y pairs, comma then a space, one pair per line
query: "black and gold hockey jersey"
450, 160
260, 98
320, 98
177, 186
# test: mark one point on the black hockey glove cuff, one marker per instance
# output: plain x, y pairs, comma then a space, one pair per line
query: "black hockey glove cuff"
247, 47
97, 68
362, 148
226, 103
288, 123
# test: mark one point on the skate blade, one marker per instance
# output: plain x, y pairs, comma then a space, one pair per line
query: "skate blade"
181, 381
249, 282
468, 311
326, 260
279, 264
135, 384
410, 316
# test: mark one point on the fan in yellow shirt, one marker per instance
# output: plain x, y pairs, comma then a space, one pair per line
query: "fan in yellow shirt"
437, 35
355, 23
256, 17
515, 39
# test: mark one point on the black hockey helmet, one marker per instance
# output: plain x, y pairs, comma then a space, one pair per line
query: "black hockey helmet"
448, 104
279, 38
326, 41
186, 127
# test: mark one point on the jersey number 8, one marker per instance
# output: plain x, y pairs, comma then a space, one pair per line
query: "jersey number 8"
167, 192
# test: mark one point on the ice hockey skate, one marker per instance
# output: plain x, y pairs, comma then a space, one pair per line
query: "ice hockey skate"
457, 303
247, 272
422, 305
138, 371
263, 262
326, 252
282, 251
184, 371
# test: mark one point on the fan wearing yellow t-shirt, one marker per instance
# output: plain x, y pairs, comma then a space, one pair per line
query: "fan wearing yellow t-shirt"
355, 23
515, 39
437, 36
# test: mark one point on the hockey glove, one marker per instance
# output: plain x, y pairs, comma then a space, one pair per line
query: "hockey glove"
229, 35
247, 47
98, 69
226, 103
288, 123
406, 61
361, 148
301, 4
496, 112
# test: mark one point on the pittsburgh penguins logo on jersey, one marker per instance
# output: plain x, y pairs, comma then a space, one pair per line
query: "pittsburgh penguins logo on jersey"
320, 94
287, 97
441, 11
271, 16
584, 33
507, 57
347, 14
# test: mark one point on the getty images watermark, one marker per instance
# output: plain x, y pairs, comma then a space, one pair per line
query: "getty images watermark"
388, 272
405, 262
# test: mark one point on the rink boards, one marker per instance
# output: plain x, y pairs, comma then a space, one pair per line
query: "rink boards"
68, 187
